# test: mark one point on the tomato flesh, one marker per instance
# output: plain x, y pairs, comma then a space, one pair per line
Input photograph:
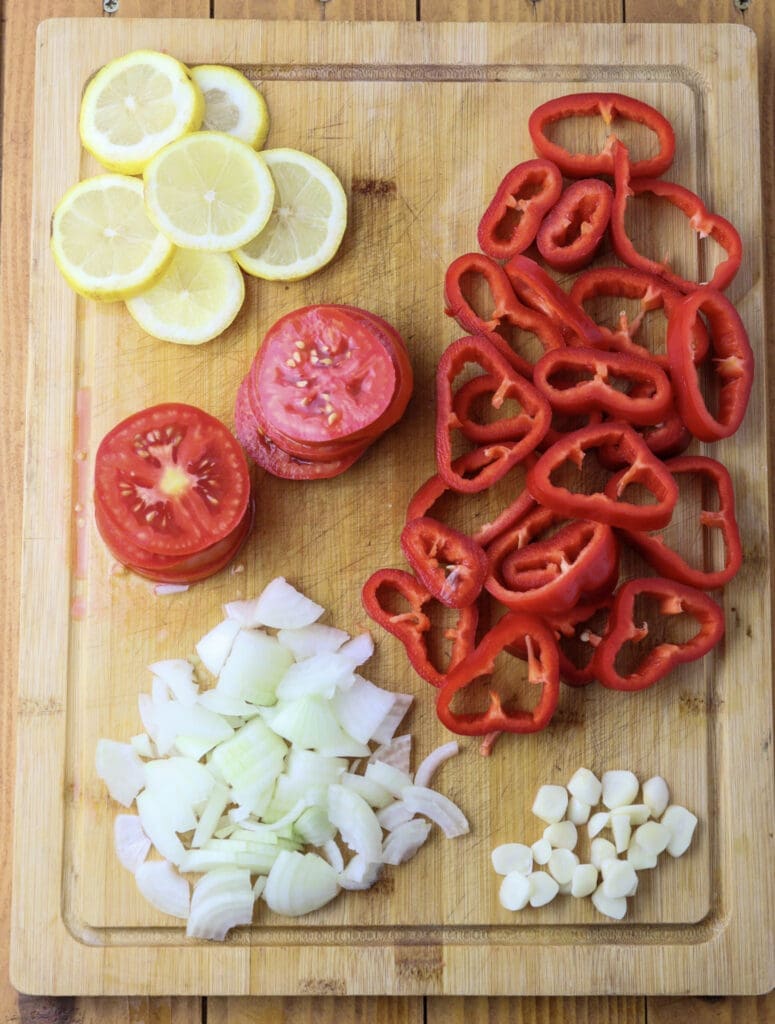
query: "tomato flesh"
323, 375
172, 479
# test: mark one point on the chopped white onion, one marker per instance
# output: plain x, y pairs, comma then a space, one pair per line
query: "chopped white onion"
164, 888
393, 815
254, 668
120, 768
356, 822
214, 647
439, 808
386, 730
192, 731
310, 640
358, 874
310, 723
333, 855
281, 606
428, 768
299, 883
178, 675
222, 899
313, 826
155, 819
404, 841
376, 796
165, 589
132, 844
393, 779
362, 708
321, 674
359, 649
211, 814
398, 753
230, 707
143, 745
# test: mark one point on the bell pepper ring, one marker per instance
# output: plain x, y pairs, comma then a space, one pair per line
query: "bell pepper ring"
607, 506
651, 291
700, 220
666, 439
674, 599
609, 106
413, 625
524, 196
668, 562
731, 357
507, 313
450, 565
554, 573
435, 487
574, 637
573, 229
543, 670
600, 371
536, 289
528, 428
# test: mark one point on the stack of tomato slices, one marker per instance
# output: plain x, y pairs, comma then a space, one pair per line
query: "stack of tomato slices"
172, 494
327, 381
597, 425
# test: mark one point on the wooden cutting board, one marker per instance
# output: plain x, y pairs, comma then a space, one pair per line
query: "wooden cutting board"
420, 122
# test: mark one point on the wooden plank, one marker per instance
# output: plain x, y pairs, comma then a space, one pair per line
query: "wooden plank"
321, 10
402, 234
718, 1010
522, 10
18, 61
530, 1010
314, 1010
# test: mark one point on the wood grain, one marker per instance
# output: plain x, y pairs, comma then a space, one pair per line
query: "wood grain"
527, 1010
522, 10
301, 1010
320, 10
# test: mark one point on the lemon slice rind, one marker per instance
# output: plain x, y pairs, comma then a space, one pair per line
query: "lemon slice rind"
134, 106
209, 191
307, 223
196, 299
103, 242
232, 104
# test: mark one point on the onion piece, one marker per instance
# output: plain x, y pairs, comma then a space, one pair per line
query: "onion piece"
359, 649
310, 723
362, 708
322, 674
178, 675
164, 888
404, 841
437, 757
375, 795
211, 814
143, 745
393, 779
281, 606
299, 883
120, 768
397, 753
222, 899
165, 589
333, 855
313, 639
358, 874
439, 808
132, 844
254, 668
313, 826
214, 647
155, 819
356, 822
393, 815
386, 730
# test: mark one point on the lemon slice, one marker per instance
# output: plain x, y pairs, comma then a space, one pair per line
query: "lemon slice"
196, 299
103, 241
209, 191
232, 105
307, 223
135, 105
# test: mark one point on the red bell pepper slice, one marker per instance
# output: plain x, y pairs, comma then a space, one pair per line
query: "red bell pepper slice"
507, 315
577, 641
732, 359
450, 565
536, 289
429, 493
413, 625
609, 106
670, 563
674, 599
652, 293
600, 371
573, 229
606, 507
704, 223
528, 427
543, 670
523, 198
554, 573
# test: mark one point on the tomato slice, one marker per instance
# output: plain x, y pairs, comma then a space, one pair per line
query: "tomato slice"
324, 375
172, 479
162, 569
274, 459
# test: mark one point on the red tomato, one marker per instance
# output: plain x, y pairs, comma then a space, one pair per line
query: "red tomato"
323, 375
172, 481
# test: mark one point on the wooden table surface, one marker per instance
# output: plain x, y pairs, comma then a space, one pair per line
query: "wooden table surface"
19, 21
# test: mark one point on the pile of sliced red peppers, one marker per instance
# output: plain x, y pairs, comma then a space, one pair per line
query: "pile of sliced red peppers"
551, 558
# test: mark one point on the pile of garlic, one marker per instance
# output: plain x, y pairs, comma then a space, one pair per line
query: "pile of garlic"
640, 831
